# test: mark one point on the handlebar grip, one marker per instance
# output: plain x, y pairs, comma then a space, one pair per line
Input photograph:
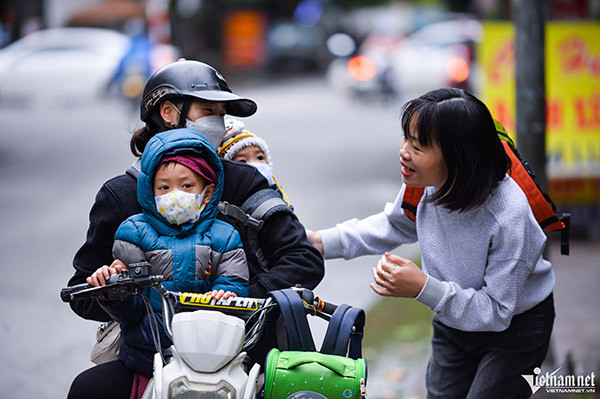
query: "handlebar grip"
328, 308
113, 278
118, 286
65, 293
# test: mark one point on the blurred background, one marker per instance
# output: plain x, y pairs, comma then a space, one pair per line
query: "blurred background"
329, 77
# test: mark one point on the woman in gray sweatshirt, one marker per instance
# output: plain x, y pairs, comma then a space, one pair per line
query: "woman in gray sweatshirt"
483, 274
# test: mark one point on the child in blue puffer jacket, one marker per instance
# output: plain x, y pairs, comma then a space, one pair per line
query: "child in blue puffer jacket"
179, 188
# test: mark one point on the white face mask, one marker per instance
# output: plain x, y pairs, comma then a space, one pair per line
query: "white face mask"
211, 127
265, 169
179, 207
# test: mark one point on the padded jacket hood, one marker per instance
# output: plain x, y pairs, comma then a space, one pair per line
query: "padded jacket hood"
154, 152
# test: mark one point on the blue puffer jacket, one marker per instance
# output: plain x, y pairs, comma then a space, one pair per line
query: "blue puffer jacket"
193, 257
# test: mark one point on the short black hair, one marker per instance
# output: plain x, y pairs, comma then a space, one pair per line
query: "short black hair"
464, 129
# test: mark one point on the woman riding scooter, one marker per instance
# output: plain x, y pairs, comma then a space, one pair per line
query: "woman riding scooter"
190, 94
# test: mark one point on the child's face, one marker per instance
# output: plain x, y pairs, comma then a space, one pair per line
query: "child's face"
171, 176
250, 154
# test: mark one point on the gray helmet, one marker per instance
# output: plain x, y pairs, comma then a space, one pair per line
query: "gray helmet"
187, 78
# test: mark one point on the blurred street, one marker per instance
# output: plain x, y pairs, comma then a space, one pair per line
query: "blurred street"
335, 158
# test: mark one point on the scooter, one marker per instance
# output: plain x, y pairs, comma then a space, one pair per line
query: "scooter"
210, 337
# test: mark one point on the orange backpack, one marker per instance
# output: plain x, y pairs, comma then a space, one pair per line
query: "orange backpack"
542, 206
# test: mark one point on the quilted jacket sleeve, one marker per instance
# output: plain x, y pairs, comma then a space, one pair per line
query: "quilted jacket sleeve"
231, 267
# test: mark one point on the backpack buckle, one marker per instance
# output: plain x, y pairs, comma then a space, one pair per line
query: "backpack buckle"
234, 211
254, 223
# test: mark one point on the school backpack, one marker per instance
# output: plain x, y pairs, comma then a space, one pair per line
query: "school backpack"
544, 209
259, 207
300, 371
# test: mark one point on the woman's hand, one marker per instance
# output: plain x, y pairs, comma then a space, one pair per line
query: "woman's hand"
315, 239
101, 276
220, 294
396, 276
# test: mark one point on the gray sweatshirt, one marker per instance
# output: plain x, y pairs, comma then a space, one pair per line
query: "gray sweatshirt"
483, 266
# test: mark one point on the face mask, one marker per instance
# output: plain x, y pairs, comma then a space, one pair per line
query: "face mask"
179, 207
210, 127
265, 169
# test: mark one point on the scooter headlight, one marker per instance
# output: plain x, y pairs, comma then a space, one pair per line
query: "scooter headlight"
181, 388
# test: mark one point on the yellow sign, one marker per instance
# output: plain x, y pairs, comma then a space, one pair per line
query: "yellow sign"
572, 90
497, 60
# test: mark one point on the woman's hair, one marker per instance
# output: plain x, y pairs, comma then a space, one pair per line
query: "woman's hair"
141, 136
464, 129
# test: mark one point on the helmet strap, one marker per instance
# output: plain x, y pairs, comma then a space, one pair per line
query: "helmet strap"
183, 113
156, 118
182, 116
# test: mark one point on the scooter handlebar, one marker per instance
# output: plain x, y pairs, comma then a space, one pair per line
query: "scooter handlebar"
119, 285
130, 281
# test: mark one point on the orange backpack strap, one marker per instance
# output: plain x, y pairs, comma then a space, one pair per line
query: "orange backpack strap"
542, 206
410, 201
542, 211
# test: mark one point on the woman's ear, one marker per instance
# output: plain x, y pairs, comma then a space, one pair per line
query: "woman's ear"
210, 189
168, 113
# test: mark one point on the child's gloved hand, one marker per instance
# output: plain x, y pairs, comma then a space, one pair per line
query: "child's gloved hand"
220, 294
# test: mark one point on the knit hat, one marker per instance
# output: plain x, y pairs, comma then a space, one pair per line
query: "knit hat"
195, 163
238, 137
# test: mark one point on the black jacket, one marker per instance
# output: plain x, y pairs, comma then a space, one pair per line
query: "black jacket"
292, 258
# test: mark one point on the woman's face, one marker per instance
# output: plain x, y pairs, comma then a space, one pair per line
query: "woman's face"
198, 109
422, 166
201, 108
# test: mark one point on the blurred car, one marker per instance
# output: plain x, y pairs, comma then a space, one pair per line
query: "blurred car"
439, 54
296, 47
73, 63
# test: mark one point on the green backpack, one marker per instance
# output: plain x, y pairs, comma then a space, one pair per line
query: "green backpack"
314, 375
336, 371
